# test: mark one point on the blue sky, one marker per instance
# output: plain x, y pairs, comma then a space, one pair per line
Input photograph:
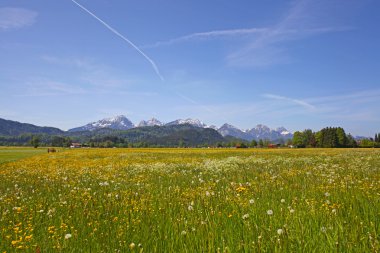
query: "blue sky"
298, 64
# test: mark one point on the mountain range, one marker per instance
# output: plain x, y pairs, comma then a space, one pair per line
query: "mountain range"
14, 128
123, 123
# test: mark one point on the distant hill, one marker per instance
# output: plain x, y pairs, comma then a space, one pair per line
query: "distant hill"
14, 128
171, 135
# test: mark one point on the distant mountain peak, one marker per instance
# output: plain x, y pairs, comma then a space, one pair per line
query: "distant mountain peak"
119, 122
193, 122
151, 122
259, 132
226, 125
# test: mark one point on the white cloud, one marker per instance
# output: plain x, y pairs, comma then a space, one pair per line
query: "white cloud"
113, 30
266, 45
91, 73
355, 106
80, 63
304, 19
42, 87
292, 100
15, 18
210, 35
362, 96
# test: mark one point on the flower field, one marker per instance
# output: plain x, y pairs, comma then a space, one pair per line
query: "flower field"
192, 200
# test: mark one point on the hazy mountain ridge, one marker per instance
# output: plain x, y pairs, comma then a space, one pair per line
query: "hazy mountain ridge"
256, 133
14, 128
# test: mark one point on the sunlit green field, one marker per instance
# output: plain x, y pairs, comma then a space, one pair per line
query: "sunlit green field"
192, 200
13, 154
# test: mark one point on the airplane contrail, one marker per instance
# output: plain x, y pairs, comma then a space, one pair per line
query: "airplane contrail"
122, 37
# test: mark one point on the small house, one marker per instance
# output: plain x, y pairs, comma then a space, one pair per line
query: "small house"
75, 145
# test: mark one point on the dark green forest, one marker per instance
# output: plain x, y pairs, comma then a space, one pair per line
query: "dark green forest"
331, 137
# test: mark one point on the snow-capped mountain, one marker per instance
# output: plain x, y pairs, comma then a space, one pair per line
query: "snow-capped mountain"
284, 132
230, 130
256, 133
119, 122
213, 127
151, 122
193, 122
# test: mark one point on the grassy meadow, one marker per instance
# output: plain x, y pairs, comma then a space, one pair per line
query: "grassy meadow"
191, 200
13, 154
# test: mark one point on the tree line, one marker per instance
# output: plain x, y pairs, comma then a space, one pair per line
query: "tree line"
331, 137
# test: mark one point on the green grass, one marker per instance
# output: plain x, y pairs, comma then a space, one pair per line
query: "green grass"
13, 154
192, 200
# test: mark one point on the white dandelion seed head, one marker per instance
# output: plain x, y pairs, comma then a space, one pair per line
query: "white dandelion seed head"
280, 231
245, 216
282, 200
251, 201
270, 212
68, 236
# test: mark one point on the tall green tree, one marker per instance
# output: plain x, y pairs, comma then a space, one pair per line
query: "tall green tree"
298, 139
319, 139
253, 143
342, 138
35, 141
309, 138
331, 137
351, 142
